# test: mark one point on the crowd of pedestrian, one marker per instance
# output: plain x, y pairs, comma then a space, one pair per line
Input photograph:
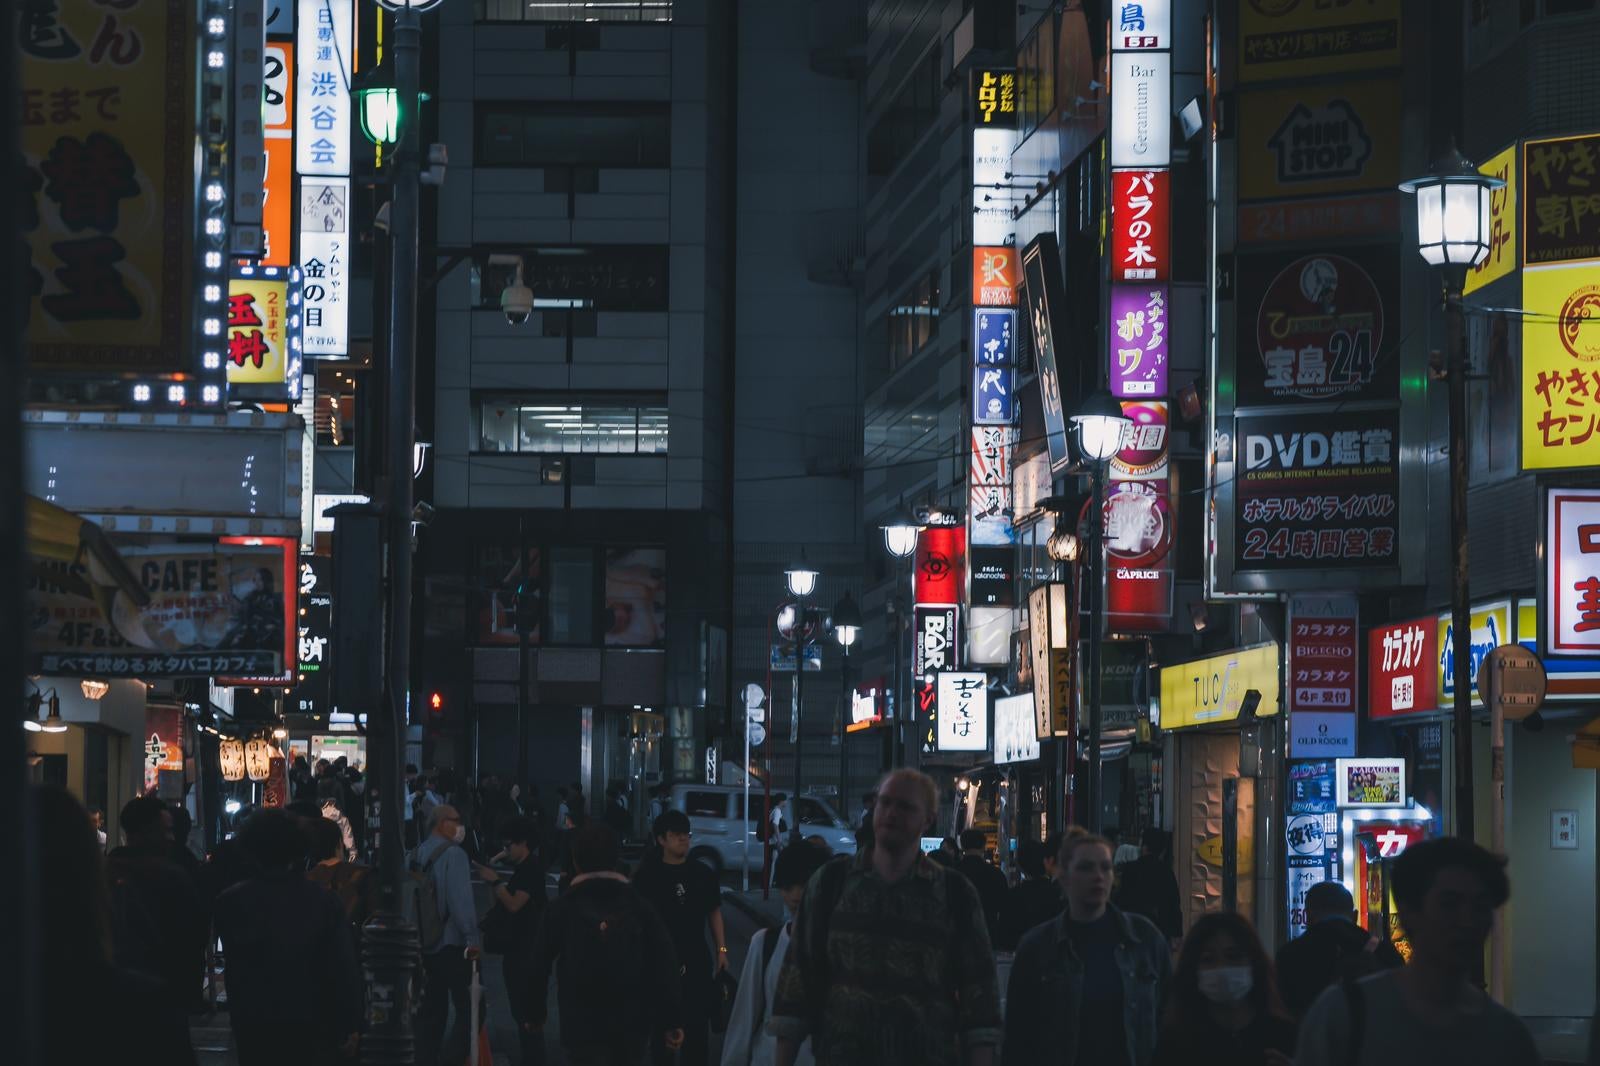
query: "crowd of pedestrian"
885, 957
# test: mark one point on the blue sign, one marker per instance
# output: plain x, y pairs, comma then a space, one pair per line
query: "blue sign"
994, 374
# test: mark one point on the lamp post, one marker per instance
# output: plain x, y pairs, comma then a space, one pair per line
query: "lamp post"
846, 628
390, 948
1100, 424
900, 539
802, 582
1453, 229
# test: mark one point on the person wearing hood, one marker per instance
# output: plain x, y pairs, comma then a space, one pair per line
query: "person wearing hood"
1333, 948
1222, 1006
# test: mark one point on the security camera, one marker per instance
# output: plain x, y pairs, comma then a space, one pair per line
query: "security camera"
516, 299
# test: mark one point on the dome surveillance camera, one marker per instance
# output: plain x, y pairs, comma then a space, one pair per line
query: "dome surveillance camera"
516, 300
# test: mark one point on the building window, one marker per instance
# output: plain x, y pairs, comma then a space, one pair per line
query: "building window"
617, 277
572, 596
578, 134
913, 320
599, 11
902, 125
571, 426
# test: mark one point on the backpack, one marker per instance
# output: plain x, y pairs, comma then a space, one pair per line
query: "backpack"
425, 895
605, 948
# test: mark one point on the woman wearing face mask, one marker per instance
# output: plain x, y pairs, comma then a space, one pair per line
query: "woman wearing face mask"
1224, 1008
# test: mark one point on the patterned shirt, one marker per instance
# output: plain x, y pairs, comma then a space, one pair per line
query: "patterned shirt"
897, 974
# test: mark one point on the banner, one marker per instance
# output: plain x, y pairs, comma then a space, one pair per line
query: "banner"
107, 183
313, 690
636, 597
1572, 571
1561, 367
989, 507
1141, 225
212, 611
994, 375
163, 741
1559, 220
325, 264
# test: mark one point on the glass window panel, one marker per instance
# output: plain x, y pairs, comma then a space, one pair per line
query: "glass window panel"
652, 431
610, 430
572, 596
498, 426
548, 427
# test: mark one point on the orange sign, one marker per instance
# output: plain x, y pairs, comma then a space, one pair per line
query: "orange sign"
994, 277
278, 184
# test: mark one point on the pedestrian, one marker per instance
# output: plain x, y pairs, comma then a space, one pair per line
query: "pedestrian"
1332, 949
1036, 898
577, 806
1446, 892
747, 1042
511, 927
1148, 886
617, 979
302, 782
158, 925
658, 802
777, 823
889, 962
98, 817
689, 900
450, 940
351, 883
865, 817
1124, 854
985, 877
1223, 1007
948, 853
183, 856
1084, 989
617, 815
73, 922
294, 986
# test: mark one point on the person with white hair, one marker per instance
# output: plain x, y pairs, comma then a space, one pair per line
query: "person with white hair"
448, 926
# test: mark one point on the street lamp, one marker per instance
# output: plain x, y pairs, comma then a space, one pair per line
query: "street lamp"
900, 535
846, 628
802, 581
1100, 424
1453, 231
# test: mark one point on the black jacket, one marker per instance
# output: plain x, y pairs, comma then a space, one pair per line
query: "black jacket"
289, 955
1029, 904
651, 1007
992, 891
158, 922
129, 1019
1148, 886
1329, 951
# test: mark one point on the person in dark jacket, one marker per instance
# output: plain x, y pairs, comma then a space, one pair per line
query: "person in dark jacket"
612, 1014
1148, 886
132, 1019
158, 923
294, 988
1085, 989
1035, 899
985, 877
1332, 948
1223, 1007
519, 903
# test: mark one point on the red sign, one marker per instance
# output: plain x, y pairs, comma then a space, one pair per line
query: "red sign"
994, 277
1138, 537
941, 565
1367, 215
1322, 663
1404, 669
1141, 225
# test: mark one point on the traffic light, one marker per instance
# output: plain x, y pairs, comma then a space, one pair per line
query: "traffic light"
436, 703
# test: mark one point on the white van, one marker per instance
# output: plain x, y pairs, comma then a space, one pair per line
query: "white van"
719, 832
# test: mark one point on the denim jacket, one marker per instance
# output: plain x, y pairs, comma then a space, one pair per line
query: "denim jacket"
1046, 987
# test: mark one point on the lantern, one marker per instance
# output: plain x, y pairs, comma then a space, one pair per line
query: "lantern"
276, 792
258, 758
230, 753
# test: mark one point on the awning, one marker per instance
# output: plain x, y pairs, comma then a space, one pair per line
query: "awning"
59, 536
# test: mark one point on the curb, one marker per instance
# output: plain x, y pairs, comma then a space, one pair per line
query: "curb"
766, 921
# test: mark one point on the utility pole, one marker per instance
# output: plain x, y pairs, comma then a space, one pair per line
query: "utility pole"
799, 714
1460, 595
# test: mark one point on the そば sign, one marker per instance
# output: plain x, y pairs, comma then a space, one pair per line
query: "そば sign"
963, 723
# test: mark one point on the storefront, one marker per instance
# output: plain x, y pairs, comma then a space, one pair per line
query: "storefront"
1222, 734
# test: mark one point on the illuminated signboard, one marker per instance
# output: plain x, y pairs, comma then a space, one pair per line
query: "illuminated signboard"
1212, 691
1370, 782
1141, 109
1141, 225
963, 723
323, 104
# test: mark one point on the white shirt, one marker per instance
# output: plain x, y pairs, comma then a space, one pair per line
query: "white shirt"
743, 1046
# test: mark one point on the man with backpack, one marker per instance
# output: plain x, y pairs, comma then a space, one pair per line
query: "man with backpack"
447, 925
1333, 948
616, 971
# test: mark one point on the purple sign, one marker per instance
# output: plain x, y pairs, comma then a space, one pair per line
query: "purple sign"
1138, 355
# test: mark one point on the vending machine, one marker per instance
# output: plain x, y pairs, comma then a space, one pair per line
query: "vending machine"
1377, 823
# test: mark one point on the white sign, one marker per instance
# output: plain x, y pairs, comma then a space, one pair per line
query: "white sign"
322, 101
325, 266
1141, 109
963, 711
1572, 571
1321, 734
1145, 25
1014, 734
325, 502
1564, 830
992, 199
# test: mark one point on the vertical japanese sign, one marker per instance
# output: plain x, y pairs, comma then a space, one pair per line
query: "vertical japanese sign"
1402, 667
963, 699
106, 186
1561, 367
1141, 25
325, 264
323, 104
1138, 341
994, 375
1043, 300
1138, 524
277, 205
1324, 643
1279, 40
312, 692
1559, 184
1502, 257
940, 572
258, 330
994, 98
1050, 637
1141, 110
936, 647
1572, 571
989, 488
1141, 225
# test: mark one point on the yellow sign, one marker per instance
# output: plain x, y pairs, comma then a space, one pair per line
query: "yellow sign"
1502, 258
1561, 367
1210, 853
1319, 139
1491, 627
1212, 691
1302, 38
106, 185
258, 329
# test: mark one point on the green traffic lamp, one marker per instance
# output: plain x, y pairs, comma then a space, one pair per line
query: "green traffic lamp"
380, 104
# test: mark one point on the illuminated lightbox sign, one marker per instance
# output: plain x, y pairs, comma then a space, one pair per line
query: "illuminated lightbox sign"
323, 104
1141, 109
325, 266
963, 723
1141, 26
1370, 782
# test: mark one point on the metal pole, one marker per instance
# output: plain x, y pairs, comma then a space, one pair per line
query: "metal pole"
522, 653
901, 687
1460, 598
390, 950
799, 714
1097, 569
844, 720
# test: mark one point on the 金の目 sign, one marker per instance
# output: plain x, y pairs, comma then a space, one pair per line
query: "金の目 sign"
963, 711
1572, 571
1141, 225
1561, 367
1403, 668
325, 264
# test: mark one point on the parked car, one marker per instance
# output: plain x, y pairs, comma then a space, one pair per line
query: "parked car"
720, 832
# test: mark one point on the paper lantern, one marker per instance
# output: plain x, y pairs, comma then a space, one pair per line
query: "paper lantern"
230, 753
276, 792
258, 759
